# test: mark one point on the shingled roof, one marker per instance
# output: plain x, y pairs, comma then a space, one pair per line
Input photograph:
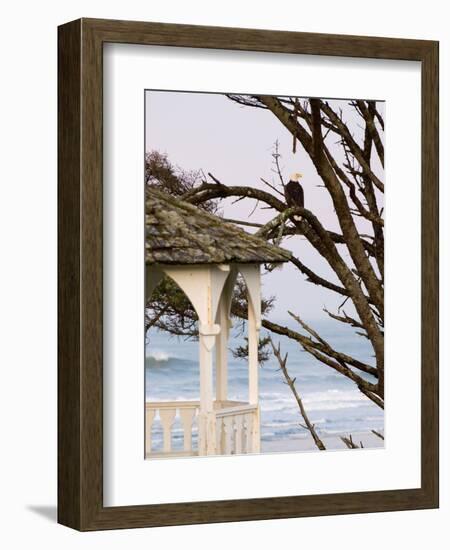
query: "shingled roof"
179, 233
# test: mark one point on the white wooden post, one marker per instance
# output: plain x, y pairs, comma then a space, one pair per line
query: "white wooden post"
206, 417
252, 278
253, 333
253, 375
223, 320
222, 352
203, 286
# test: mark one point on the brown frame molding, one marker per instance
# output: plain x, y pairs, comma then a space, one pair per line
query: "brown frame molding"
80, 414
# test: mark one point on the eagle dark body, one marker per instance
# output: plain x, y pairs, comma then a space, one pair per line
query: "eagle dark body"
293, 193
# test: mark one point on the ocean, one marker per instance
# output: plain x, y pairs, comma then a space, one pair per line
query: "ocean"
333, 403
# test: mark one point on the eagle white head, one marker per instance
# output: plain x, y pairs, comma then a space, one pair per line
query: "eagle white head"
295, 176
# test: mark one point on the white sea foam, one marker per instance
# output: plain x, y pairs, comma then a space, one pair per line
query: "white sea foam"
281, 424
317, 401
335, 397
160, 356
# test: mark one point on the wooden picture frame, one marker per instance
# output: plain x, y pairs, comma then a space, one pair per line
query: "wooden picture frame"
80, 271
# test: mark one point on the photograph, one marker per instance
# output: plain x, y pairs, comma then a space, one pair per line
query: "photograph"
264, 254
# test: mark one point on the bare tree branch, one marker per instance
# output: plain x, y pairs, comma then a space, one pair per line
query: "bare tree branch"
381, 436
291, 383
350, 443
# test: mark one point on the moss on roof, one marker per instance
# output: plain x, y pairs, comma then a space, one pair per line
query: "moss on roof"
179, 233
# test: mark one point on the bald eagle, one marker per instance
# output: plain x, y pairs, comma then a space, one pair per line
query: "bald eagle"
293, 192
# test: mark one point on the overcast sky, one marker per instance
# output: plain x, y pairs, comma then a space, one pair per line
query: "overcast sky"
234, 143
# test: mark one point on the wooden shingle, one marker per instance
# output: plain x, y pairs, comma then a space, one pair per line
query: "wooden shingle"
179, 233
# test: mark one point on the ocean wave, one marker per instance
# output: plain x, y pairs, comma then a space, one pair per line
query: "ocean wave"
280, 424
160, 356
283, 424
331, 400
328, 400
271, 395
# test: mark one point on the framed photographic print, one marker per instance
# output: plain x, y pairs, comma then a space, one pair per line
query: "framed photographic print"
231, 204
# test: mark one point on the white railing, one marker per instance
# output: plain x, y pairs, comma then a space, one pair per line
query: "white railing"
237, 426
168, 412
237, 429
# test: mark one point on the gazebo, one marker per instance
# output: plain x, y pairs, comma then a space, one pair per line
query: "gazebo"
204, 255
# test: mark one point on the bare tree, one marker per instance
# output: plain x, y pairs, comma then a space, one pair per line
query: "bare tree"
349, 176
356, 190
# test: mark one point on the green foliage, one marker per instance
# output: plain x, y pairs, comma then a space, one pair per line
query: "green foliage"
241, 352
170, 310
163, 175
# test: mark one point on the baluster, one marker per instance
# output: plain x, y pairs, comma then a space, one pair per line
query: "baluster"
256, 435
219, 435
195, 424
149, 417
239, 420
167, 416
228, 424
248, 432
186, 417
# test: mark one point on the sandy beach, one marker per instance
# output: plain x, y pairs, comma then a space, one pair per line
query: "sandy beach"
331, 442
